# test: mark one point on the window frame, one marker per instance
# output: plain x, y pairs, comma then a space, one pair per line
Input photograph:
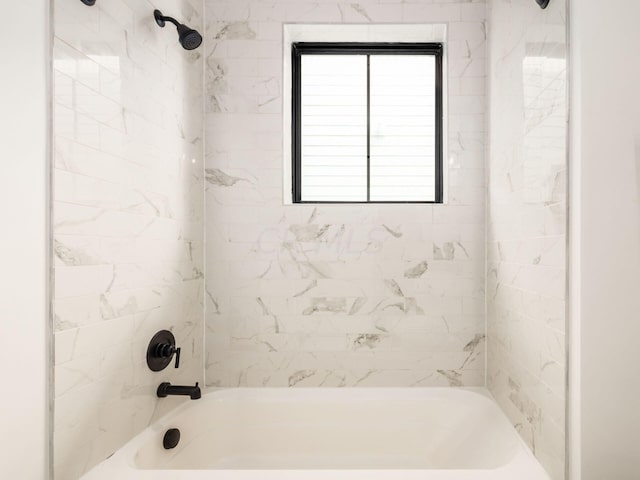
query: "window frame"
435, 49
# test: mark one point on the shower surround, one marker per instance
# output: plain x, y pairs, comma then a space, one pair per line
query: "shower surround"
127, 219
298, 295
337, 295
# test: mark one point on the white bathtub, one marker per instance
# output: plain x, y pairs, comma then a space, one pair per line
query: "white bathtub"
286, 434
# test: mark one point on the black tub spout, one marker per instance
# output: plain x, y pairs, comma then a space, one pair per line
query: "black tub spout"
165, 389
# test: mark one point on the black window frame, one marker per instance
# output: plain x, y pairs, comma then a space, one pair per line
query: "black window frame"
356, 48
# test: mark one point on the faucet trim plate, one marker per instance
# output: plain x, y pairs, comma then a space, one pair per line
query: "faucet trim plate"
161, 350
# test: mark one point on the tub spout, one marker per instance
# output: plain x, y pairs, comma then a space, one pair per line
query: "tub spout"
165, 389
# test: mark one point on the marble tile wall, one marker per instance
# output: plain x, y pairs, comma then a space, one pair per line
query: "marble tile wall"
128, 203
527, 212
367, 295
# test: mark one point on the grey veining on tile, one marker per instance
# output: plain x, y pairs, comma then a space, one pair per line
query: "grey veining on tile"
217, 177
360, 10
309, 233
417, 271
326, 305
234, 31
299, 376
393, 287
313, 284
71, 256
474, 347
395, 233
446, 252
452, 376
369, 340
357, 305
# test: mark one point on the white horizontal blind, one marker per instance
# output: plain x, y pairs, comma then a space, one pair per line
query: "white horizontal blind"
334, 128
334, 131
403, 132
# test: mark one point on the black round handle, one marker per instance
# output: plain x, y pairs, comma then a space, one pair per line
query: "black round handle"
165, 350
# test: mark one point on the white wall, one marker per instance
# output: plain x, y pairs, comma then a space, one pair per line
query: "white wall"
24, 131
605, 239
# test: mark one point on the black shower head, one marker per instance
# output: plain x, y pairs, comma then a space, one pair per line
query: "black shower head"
188, 37
543, 3
91, 3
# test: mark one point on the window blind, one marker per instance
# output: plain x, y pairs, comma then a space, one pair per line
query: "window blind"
367, 126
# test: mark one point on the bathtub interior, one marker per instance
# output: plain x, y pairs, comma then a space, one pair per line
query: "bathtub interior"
320, 429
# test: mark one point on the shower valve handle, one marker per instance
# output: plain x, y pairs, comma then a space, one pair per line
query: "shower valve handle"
177, 357
165, 350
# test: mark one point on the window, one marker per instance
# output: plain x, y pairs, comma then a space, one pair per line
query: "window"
367, 122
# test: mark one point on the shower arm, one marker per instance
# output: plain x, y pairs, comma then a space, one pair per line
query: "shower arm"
161, 19
188, 37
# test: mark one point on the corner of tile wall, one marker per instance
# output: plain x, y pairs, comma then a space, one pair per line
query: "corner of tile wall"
128, 213
526, 229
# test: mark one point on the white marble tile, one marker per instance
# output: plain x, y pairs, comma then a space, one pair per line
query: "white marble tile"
526, 256
337, 295
128, 218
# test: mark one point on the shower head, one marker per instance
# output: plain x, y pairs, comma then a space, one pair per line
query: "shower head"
188, 37
542, 3
89, 2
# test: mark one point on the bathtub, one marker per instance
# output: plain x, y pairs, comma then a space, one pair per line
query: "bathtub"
313, 434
